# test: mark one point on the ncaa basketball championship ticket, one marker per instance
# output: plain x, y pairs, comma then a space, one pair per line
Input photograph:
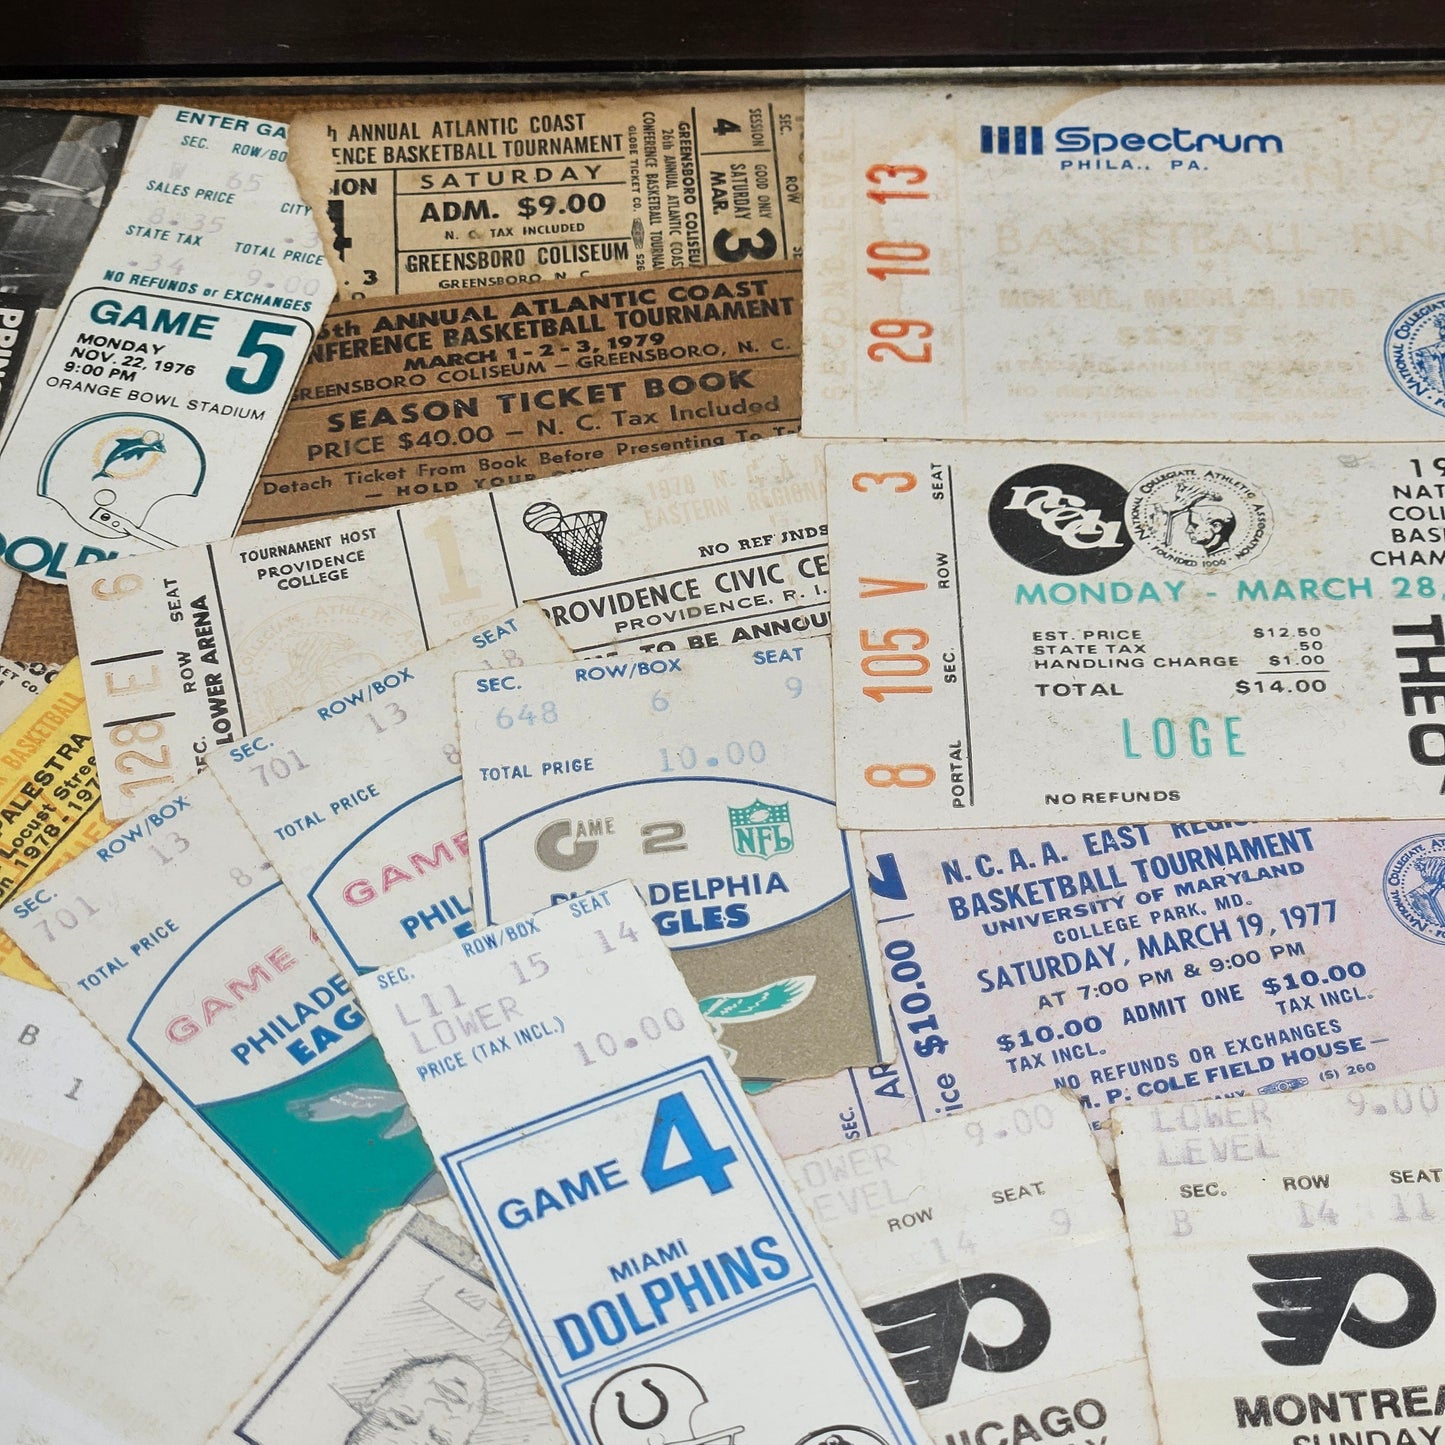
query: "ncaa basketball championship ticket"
640, 1228
1290, 1264
673, 554
1029, 634
1157, 262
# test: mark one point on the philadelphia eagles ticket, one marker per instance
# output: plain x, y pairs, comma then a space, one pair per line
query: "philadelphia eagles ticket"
705, 780
1144, 961
148, 414
640, 1228
1104, 634
1159, 262
1290, 1261
357, 799
190, 650
176, 939
990, 1256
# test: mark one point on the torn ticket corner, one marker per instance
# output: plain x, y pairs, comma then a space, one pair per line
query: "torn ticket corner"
111, 1334
49, 799
411, 198
415, 1327
63, 1090
990, 1256
705, 779
149, 411
1290, 1260
641, 1229
178, 942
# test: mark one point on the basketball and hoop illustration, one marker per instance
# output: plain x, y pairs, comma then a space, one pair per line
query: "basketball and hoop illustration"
575, 537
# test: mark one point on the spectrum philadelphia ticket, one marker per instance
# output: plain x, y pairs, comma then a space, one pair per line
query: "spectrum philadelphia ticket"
452, 392
1147, 961
670, 554
1030, 634
640, 1228
412, 198
1160, 262
990, 1256
1290, 1263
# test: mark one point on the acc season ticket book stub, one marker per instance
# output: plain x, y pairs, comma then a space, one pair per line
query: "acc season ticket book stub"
1153, 261
640, 1228
1290, 1262
1118, 632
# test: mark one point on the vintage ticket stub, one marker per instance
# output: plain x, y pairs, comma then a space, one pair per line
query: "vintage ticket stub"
1140, 962
49, 798
414, 1345
357, 799
557, 1063
20, 684
62, 1092
670, 554
1113, 633
177, 940
1290, 1262
453, 392
9, 586
1163, 262
147, 417
153, 1304
990, 1256
706, 781
473, 193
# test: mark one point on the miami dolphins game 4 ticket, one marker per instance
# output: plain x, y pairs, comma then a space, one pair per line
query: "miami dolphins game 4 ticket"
990, 1256
1103, 634
357, 799
705, 780
1290, 1262
1161, 262
673, 554
640, 1228
1147, 961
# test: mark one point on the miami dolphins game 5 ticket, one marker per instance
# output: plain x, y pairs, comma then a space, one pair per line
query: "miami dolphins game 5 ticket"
1290, 1262
1146, 961
705, 780
990, 1256
1104, 634
672, 554
1158, 262
148, 414
177, 940
640, 1228
357, 799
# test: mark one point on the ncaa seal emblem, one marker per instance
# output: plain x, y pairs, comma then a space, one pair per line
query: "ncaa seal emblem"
1415, 353
1061, 519
1203, 518
1414, 886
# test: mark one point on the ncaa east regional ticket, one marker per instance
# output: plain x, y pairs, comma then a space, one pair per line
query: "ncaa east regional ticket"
1106, 633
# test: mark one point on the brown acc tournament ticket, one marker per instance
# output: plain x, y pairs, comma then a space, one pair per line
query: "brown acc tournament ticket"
416, 397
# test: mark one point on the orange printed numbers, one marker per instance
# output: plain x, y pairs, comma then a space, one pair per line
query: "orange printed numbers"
889, 657
898, 775
911, 178
877, 479
123, 586
900, 329
894, 257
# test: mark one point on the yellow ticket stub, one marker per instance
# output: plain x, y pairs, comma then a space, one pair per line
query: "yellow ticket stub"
49, 798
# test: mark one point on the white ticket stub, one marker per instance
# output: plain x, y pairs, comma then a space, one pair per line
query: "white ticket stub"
990, 1256
472, 192
153, 1304
177, 940
9, 586
1146, 961
20, 684
1290, 1262
149, 413
1110, 633
357, 799
669, 554
412, 1346
1158, 262
62, 1092
557, 1063
706, 780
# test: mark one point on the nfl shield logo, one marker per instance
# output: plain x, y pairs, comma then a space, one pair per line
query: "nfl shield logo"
761, 829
